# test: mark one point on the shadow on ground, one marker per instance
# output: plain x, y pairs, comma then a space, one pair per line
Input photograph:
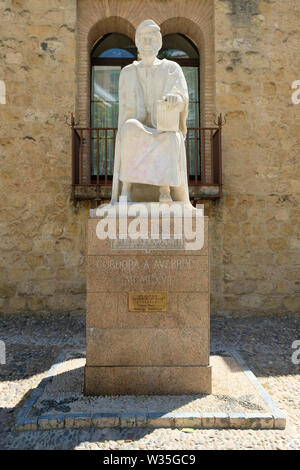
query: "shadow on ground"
264, 343
33, 343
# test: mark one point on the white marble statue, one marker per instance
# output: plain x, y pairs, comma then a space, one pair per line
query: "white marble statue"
150, 157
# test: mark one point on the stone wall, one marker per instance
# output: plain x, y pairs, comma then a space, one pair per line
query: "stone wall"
255, 227
42, 234
255, 242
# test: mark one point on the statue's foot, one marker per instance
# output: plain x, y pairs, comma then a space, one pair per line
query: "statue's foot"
126, 191
165, 197
125, 195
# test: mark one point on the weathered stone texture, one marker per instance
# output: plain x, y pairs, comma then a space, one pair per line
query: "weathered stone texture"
152, 339
255, 246
42, 234
257, 222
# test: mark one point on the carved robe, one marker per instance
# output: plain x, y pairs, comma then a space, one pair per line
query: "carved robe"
145, 155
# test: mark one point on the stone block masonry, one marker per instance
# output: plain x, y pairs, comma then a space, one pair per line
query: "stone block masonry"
249, 58
147, 319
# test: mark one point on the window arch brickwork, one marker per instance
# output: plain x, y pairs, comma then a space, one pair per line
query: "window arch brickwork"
98, 17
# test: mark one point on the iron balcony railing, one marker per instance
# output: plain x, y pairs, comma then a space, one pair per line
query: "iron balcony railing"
93, 152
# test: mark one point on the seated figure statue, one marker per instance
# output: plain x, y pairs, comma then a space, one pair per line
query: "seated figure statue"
152, 93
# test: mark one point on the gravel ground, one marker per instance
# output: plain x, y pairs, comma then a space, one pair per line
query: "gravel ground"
32, 344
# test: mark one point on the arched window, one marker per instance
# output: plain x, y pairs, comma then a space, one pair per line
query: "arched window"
108, 57
179, 48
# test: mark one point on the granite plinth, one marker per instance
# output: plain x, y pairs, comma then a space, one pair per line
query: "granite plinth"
162, 380
160, 351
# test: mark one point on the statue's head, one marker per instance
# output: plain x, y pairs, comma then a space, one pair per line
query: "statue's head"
148, 38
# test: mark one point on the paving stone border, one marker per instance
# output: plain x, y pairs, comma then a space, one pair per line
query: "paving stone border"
275, 419
278, 416
24, 421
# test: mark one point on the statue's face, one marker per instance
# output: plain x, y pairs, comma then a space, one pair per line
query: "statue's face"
149, 43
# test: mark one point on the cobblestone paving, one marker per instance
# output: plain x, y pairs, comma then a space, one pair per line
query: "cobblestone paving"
33, 343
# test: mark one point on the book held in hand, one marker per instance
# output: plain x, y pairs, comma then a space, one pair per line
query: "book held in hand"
167, 119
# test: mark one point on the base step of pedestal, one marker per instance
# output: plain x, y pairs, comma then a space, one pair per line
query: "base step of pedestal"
175, 380
225, 408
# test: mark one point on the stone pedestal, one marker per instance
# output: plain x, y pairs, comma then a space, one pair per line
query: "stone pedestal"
147, 316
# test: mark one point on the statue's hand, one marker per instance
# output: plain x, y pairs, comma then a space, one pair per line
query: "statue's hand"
172, 100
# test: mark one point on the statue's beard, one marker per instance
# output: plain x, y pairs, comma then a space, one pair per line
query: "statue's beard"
149, 53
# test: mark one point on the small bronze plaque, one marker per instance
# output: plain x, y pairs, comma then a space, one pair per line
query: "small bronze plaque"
148, 301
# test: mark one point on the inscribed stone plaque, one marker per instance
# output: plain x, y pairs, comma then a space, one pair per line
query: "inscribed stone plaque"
148, 244
148, 302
